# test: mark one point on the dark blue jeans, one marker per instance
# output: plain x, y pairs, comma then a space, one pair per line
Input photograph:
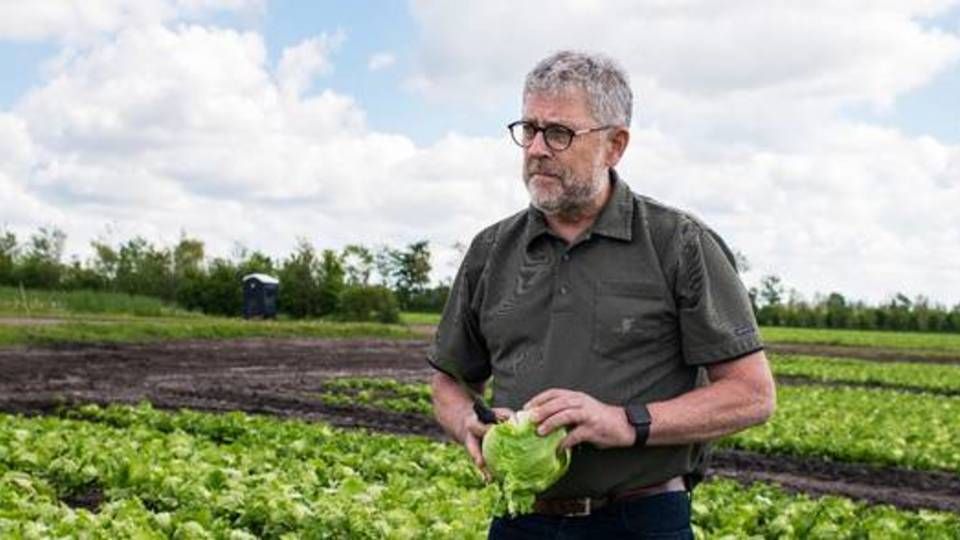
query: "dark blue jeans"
664, 517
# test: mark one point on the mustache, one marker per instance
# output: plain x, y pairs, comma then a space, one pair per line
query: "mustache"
544, 167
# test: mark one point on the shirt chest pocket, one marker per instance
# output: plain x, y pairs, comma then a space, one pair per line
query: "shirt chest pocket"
627, 316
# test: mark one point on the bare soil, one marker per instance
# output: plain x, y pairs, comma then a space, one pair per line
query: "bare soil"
283, 376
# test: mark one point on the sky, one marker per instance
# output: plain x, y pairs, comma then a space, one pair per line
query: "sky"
820, 139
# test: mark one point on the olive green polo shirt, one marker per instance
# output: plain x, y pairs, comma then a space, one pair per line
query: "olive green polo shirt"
627, 313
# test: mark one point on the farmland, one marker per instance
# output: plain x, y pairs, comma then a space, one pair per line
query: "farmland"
333, 438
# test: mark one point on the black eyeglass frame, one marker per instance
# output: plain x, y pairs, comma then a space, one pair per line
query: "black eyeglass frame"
570, 133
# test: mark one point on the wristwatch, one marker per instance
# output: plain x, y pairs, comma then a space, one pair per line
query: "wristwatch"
639, 417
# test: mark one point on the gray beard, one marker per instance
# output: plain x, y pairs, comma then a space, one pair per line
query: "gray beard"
576, 200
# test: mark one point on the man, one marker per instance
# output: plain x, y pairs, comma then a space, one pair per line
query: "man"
599, 310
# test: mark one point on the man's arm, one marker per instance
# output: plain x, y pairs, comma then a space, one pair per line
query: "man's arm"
741, 394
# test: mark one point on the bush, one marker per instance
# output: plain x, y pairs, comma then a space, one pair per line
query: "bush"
365, 303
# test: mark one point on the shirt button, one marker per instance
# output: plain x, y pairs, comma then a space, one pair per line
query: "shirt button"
565, 257
563, 289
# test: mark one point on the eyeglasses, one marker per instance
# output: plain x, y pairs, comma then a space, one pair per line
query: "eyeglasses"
557, 137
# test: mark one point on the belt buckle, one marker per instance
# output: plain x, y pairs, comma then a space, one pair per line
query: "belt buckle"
586, 508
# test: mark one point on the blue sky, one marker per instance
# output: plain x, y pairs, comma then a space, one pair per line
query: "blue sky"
934, 108
796, 131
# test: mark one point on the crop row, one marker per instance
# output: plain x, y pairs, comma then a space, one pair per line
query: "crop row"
879, 427
933, 377
385, 394
931, 343
194, 475
191, 475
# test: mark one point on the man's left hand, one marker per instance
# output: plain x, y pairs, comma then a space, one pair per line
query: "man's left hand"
588, 420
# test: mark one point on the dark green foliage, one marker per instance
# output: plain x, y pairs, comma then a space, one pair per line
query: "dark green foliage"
331, 282
299, 283
429, 300
314, 283
405, 271
367, 303
8, 253
40, 267
835, 311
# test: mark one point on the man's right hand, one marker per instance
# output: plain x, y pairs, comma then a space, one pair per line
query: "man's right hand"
472, 431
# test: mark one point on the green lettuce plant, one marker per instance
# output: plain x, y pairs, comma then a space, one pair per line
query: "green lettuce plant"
522, 462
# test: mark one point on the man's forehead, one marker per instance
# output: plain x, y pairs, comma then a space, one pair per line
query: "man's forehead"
567, 104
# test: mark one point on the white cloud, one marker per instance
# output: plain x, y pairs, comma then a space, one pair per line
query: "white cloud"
864, 211
734, 61
381, 60
162, 129
83, 20
301, 63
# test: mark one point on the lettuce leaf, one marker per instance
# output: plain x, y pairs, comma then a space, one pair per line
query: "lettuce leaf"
522, 462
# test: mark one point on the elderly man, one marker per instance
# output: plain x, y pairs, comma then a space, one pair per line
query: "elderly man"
603, 311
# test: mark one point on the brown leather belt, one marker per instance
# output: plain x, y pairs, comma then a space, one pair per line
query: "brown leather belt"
584, 506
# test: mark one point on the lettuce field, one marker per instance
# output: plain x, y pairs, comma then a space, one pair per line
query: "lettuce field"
291, 437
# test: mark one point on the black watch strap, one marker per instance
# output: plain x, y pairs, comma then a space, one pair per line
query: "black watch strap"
639, 416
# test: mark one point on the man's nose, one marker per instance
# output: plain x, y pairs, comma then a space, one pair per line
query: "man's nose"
538, 146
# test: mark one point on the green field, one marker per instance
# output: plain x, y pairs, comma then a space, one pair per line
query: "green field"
411, 317
880, 427
172, 328
37, 303
918, 341
193, 475
918, 376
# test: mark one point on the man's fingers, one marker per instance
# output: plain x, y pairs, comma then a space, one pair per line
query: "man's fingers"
473, 448
544, 397
477, 428
575, 437
563, 418
554, 406
476, 454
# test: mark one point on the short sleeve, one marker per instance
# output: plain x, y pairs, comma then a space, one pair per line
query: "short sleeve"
717, 322
459, 349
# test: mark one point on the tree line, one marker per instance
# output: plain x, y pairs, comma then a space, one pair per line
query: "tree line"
355, 283
363, 283
774, 305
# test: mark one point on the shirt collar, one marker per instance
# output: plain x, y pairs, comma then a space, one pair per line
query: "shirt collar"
615, 219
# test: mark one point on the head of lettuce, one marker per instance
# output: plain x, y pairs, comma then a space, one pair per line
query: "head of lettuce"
522, 462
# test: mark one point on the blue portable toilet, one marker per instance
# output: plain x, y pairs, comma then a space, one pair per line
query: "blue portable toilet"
260, 296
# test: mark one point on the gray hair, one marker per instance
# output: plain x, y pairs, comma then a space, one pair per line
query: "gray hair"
601, 77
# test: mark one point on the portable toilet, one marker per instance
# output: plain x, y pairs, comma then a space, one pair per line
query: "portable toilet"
260, 296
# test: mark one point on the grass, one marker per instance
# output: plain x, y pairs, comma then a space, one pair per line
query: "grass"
32, 303
124, 317
145, 330
94, 316
919, 341
412, 317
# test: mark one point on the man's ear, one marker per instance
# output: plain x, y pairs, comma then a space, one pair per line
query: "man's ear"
618, 145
